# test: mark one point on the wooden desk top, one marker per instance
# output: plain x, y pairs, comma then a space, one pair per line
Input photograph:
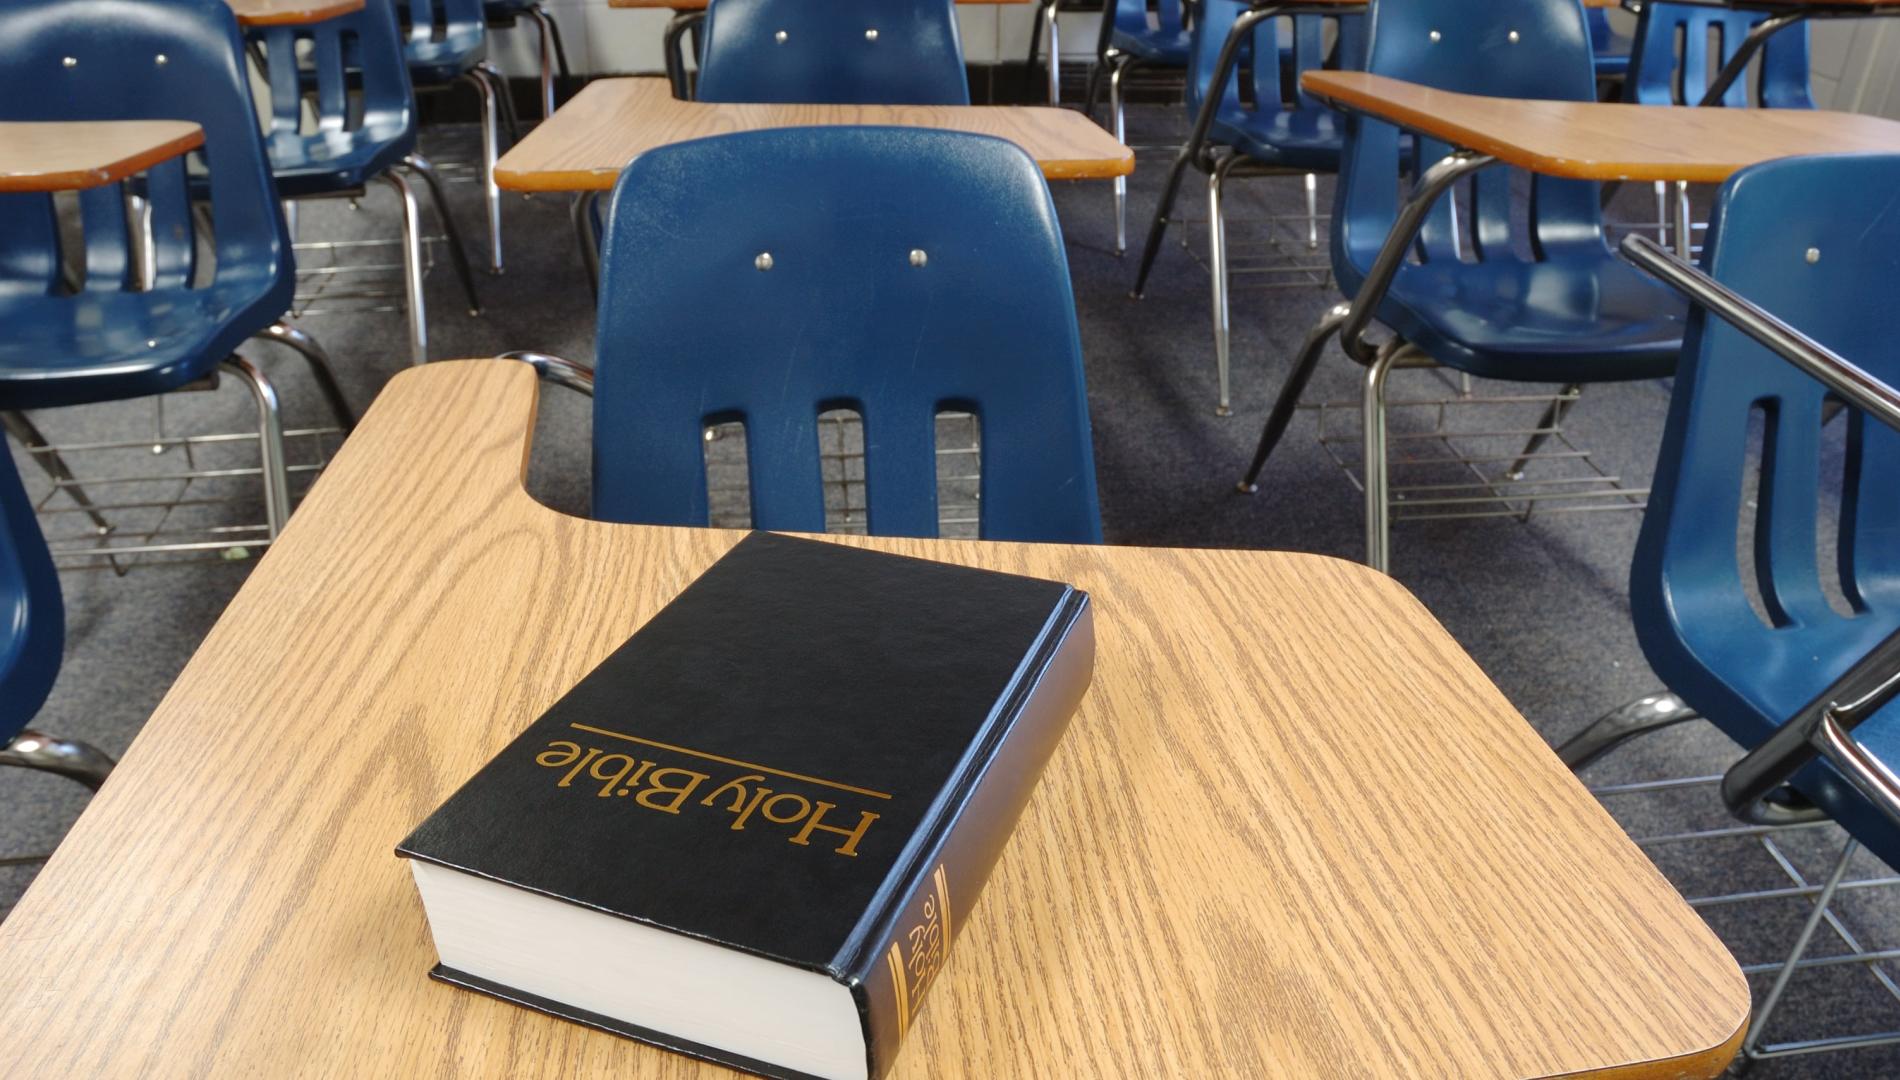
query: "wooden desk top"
1293, 831
69, 155
612, 121
1591, 141
290, 12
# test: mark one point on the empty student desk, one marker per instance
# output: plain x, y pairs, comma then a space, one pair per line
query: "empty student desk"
290, 12
1292, 831
71, 155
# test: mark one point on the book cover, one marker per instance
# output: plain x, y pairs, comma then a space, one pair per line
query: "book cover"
812, 756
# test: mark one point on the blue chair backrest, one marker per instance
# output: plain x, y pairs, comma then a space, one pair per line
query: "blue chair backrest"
1273, 72
1689, 584
1600, 33
835, 52
428, 20
1466, 46
771, 276
1131, 17
153, 60
32, 622
316, 67
1680, 47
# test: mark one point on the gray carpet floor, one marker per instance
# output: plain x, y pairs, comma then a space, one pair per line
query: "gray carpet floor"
1541, 603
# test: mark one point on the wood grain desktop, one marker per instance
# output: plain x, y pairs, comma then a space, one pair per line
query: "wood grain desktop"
1293, 830
71, 155
1592, 141
290, 12
612, 121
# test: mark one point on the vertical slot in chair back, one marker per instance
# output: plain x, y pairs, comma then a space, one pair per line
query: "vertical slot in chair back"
71, 60
1274, 71
1133, 18
32, 621
838, 52
1679, 49
1523, 49
1816, 241
771, 276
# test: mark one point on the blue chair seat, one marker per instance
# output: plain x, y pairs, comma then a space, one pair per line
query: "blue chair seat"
1579, 319
331, 161
97, 350
1161, 48
1307, 138
434, 61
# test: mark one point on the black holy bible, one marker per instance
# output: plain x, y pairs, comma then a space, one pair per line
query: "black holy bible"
752, 833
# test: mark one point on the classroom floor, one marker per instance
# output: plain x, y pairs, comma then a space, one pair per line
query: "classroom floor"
1542, 604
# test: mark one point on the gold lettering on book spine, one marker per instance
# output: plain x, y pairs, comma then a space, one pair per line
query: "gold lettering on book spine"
929, 946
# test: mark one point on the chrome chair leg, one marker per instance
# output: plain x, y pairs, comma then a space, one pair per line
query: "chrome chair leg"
1661, 189
1312, 212
1217, 272
510, 119
270, 441
545, 24
48, 459
412, 266
1652, 712
1118, 65
458, 255
69, 758
1378, 526
285, 334
491, 151
1050, 9
1289, 400
1685, 231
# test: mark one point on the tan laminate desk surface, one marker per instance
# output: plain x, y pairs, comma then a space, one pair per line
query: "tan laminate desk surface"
290, 12
612, 121
1293, 830
69, 155
1593, 141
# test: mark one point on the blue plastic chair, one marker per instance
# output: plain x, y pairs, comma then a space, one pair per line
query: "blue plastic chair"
1609, 50
840, 52
445, 42
32, 632
1814, 242
1547, 303
136, 326
1272, 132
1129, 39
351, 73
771, 276
552, 54
1678, 51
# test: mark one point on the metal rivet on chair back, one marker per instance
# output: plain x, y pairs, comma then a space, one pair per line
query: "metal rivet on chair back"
1688, 592
1465, 46
1680, 47
826, 56
849, 316
32, 622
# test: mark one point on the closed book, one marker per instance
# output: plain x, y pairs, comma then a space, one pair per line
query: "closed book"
753, 832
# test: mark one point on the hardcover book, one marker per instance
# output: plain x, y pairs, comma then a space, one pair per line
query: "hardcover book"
754, 831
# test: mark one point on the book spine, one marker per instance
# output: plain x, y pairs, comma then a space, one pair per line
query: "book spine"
892, 978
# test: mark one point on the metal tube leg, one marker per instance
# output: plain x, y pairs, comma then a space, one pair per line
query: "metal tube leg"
1685, 233
458, 255
586, 236
1289, 399
270, 442
1115, 107
138, 213
1378, 527
1312, 212
510, 119
674, 45
1751, 1044
49, 460
1553, 416
1662, 211
69, 758
544, 24
1217, 273
1050, 9
560, 47
491, 139
1621, 724
412, 266
285, 334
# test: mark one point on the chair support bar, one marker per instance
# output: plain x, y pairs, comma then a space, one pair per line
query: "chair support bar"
572, 374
